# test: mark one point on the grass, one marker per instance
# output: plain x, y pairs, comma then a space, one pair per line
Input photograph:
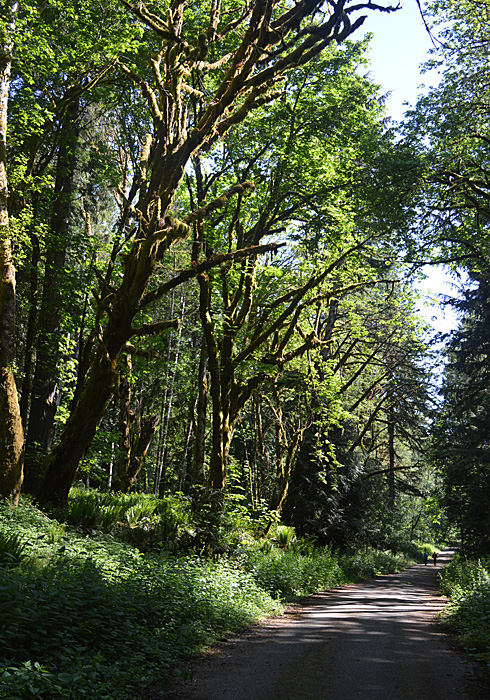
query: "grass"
85, 615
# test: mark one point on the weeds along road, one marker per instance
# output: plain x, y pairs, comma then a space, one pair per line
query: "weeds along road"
377, 640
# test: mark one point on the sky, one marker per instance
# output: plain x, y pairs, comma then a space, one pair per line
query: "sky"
400, 45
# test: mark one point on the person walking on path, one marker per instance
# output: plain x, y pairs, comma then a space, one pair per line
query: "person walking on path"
426, 556
434, 557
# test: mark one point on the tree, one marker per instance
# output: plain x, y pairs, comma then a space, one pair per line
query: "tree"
453, 130
314, 158
54, 115
357, 461
206, 75
450, 126
11, 433
460, 446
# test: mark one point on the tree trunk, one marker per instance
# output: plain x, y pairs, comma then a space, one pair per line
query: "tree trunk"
79, 431
391, 453
11, 432
124, 424
217, 471
45, 383
31, 331
201, 416
162, 468
190, 422
147, 431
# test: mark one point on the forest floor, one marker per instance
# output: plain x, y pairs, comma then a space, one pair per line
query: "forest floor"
377, 640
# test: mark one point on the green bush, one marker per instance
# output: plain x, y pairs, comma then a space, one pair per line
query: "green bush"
143, 520
467, 582
289, 574
88, 617
368, 563
70, 628
284, 535
91, 617
12, 548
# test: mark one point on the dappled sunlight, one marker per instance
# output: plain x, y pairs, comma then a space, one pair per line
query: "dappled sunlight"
372, 640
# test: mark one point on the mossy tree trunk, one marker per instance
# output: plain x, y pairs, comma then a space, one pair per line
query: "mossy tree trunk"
11, 432
44, 401
193, 103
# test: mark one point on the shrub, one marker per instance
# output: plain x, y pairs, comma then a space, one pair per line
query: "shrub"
289, 575
369, 562
467, 582
284, 535
91, 618
95, 619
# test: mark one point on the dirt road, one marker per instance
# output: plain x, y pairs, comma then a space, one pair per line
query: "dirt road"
376, 641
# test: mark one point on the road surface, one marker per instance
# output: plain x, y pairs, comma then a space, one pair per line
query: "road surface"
378, 640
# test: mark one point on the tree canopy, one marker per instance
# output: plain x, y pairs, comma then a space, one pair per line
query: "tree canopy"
214, 227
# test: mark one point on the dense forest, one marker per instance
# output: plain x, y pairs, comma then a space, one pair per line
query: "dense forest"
211, 241
213, 248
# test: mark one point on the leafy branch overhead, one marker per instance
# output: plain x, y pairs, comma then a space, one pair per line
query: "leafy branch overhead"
199, 76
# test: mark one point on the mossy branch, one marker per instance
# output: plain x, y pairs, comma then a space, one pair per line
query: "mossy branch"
154, 328
213, 261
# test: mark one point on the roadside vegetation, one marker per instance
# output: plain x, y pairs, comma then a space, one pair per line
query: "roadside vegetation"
467, 583
88, 614
215, 382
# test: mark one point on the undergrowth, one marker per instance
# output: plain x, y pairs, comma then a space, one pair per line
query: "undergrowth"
87, 616
467, 583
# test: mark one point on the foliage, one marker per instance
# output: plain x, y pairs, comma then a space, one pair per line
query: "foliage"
289, 574
90, 617
460, 448
284, 536
141, 519
370, 562
361, 477
467, 582
12, 548
97, 621
450, 126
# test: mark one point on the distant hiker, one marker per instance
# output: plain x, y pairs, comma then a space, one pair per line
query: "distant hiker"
426, 556
434, 557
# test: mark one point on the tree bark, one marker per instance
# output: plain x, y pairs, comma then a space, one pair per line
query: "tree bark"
243, 87
31, 331
391, 455
217, 471
124, 424
147, 431
39, 436
79, 431
11, 432
201, 416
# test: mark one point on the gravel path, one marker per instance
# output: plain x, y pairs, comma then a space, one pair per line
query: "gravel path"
377, 640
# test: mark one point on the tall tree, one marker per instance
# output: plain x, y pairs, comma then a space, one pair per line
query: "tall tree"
11, 433
307, 155
51, 114
206, 74
452, 126
357, 457
460, 447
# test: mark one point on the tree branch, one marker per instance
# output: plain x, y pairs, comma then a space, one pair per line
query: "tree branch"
208, 264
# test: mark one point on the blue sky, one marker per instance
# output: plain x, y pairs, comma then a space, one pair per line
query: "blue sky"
399, 47
400, 44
